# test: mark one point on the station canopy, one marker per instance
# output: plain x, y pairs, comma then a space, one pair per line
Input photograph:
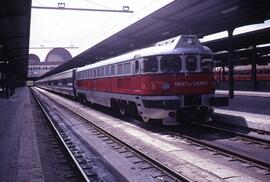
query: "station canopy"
243, 45
14, 35
177, 18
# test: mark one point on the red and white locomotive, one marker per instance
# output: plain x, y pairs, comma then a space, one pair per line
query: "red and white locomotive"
173, 83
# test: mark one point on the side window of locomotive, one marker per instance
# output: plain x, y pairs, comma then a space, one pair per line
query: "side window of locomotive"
150, 64
119, 69
137, 67
170, 64
107, 71
98, 72
91, 73
102, 71
113, 70
191, 63
127, 69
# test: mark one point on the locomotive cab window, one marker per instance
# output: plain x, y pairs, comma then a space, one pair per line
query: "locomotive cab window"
170, 64
206, 63
150, 64
191, 63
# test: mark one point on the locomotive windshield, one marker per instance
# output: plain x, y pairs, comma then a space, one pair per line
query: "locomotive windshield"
150, 64
170, 64
191, 63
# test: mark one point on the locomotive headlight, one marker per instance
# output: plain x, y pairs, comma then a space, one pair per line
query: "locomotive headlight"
165, 85
189, 41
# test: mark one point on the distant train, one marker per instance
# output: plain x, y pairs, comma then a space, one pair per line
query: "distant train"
243, 73
173, 83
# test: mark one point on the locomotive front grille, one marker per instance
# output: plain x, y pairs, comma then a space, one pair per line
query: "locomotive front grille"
192, 100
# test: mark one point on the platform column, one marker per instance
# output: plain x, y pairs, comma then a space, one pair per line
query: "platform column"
254, 67
223, 72
6, 74
230, 62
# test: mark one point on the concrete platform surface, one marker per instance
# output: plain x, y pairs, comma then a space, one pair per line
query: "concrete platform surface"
247, 109
245, 93
19, 151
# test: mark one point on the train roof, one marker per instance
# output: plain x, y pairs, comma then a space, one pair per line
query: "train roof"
184, 44
57, 76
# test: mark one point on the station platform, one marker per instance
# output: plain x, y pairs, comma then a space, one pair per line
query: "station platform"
20, 160
246, 109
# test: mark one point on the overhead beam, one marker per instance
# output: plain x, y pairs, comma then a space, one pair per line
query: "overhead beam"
82, 9
66, 47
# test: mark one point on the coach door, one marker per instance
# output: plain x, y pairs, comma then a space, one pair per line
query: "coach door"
74, 81
137, 75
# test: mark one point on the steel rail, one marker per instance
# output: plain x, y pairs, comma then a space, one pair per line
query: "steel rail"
79, 170
225, 152
244, 136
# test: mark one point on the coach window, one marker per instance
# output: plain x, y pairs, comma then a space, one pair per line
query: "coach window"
119, 69
113, 70
127, 69
95, 73
170, 64
90, 73
150, 64
191, 63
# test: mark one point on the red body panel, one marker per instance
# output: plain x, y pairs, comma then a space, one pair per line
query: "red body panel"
156, 84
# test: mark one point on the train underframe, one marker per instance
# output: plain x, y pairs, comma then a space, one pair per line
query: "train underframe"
171, 110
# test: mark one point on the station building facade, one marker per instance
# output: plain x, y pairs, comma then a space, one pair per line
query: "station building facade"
54, 58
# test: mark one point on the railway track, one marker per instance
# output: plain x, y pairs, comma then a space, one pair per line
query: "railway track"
239, 135
247, 161
161, 171
230, 152
63, 141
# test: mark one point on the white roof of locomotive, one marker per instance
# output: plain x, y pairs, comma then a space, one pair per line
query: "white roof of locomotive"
178, 46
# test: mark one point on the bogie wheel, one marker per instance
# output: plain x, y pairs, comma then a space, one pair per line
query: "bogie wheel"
123, 111
150, 120
145, 119
122, 108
